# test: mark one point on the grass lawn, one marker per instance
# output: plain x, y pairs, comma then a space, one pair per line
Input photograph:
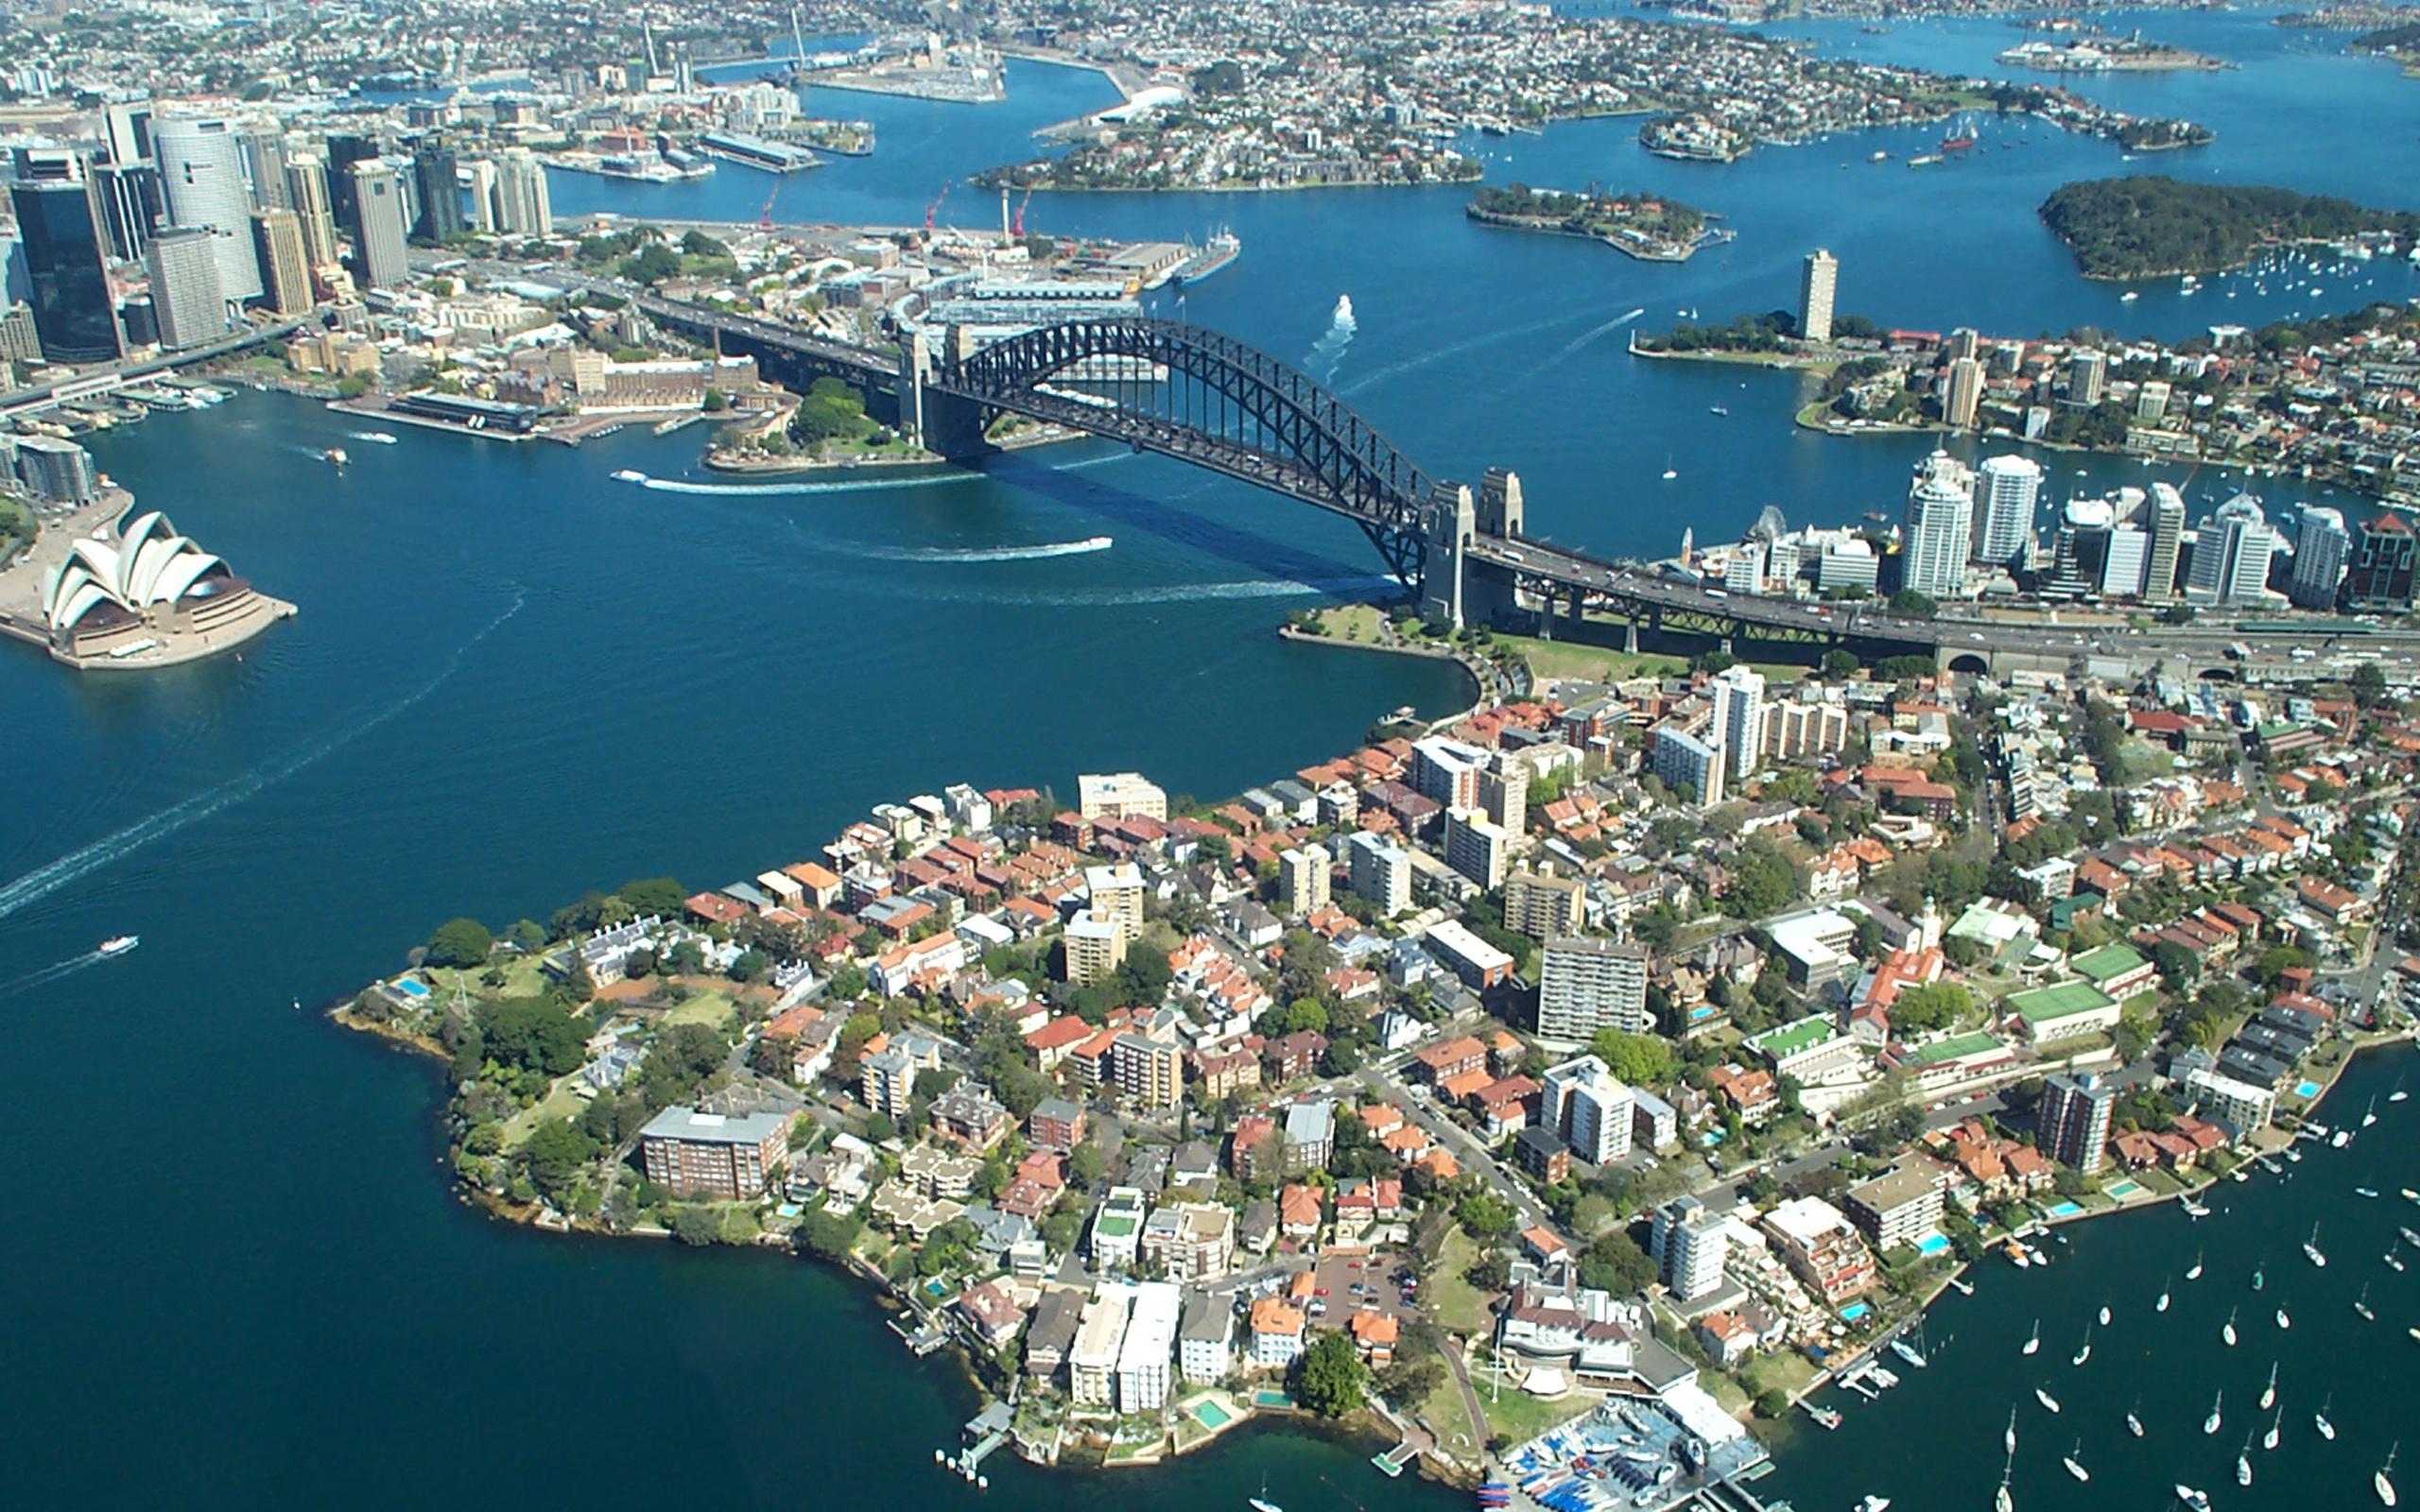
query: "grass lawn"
1457, 1306
560, 1102
1569, 659
1517, 1417
1449, 1418
2140, 760
1786, 1371
710, 1007
1351, 622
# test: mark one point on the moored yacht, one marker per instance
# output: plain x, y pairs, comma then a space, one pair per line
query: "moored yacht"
2075, 1466
2210, 1424
2380, 1483
2226, 1330
2319, 1418
2035, 1342
2047, 1401
2310, 1249
2269, 1392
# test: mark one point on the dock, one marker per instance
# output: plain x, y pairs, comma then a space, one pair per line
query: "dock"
921, 1340
983, 1434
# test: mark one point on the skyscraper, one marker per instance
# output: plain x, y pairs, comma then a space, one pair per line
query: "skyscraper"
378, 258
129, 196
2087, 373
69, 286
439, 175
1817, 283
265, 167
186, 297
201, 178
2384, 559
1965, 391
479, 186
1941, 511
343, 152
1739, 720
285, 268
2072, 1124
2167, 537
306, 191
127, 129
2007, 490
521, 206
2321, 547
2231, 555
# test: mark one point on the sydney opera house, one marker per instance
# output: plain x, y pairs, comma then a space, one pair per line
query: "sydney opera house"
149, 599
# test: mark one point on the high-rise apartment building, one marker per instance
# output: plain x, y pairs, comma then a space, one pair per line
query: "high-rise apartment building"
1738, 724
2167, 544
1303, 880
1476, 848
1586, 984
1964, 392
2321, 548
1818, 282
1380, 871
2231, 555
1543, 905
2007, 491
2087, 374
2384, 564
521, 206
2072, 1122
1940, 523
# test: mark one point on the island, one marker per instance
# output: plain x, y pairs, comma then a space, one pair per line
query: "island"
2096, 53
1652, 228
2401, 43
2156, 226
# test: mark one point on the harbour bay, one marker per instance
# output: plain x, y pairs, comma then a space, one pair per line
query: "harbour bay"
514, 678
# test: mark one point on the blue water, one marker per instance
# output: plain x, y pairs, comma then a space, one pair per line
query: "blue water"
230, 1244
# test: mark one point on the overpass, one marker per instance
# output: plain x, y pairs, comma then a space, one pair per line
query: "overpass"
1212, 402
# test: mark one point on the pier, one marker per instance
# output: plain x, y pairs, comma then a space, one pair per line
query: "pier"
984, 1433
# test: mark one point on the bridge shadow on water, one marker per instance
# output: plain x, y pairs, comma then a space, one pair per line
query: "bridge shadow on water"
1247, 549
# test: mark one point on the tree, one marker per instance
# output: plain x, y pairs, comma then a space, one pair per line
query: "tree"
1333, 1379
1635, 1060
1908, 604
1306, 1013
556, 1155
1614, 1264
1086, 1165
532, 1034
1929, 1007
748, 965
660, 896
1487, 1217
830, 1234
460, 942
528, 934
2178, 966
2369, 685
1772, 1403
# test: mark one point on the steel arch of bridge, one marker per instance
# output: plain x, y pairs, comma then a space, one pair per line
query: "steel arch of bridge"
1242, 413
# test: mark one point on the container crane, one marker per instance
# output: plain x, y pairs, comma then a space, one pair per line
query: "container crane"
1018, 230
934, 207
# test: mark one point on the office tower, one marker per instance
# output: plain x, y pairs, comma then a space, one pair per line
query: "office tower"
1688, 1242
1817, 283
2231, 555
67, 282
1941, 510
1542, 906
2167, 537
2121, 573
522, 208
1586, 984
479, 177
1964, 344
1965, 391
2383, 566
344, 152
127, 130
1303, 880
306, 191
1738, 724
286, 267
129, 196
1380, 871
265, 167
2087, 371
1681, 760
2321, 547
2151, 402
378, 258
19, 340
186, 297
2072, 1125
436, 175
201, 178
2007, 489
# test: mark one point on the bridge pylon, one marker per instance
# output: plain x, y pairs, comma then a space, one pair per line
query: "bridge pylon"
941, 422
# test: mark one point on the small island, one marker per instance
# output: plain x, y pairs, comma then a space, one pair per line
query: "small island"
1646, 226
2156, 226
2096, 53
2400, 43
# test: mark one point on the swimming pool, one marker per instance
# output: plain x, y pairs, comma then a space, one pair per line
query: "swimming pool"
410, 987
2124, 1189
2064, 1210
2306, 1089
1853, 1312
1932, 1245
1210, 1415
1268, 1398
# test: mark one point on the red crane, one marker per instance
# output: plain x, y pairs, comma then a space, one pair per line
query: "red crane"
765, 216
1018, 228
936, 205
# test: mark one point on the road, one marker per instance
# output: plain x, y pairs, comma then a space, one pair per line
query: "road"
1382, 1084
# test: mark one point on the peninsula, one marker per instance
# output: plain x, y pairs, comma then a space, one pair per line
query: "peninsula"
1653, 227
2153, 226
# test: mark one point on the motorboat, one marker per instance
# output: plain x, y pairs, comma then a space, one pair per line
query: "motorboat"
627, 474
2034, 1343
2339, 1138
2319, 1419
2283, 1321
2048, 1401
119, 944
2196, 1500
1964, 1288
2104, 1314
2210, 1424
2366, 1192
334, 456
1874, 1503
2409, 1237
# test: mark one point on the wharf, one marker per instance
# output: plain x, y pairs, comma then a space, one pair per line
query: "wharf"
983, 1434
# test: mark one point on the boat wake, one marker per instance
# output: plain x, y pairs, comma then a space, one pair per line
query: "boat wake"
382, 437
977, 554
1585, 336
52, 973
1329, 349
1456, 349
109, 850
679, 486
1186, 592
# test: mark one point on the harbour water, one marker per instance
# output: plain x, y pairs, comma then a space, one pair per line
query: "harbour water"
234, 1273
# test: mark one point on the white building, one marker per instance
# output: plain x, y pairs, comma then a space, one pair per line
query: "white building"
1688, 1242
1148, 1352
201, 180
1303, 880
1940, 522
2239, 1104
1100, 1338
1206, 1339
1682, 760
1588, 1109
2321, 547
1586, 984
2009, 487
2231, 555
1738, 724
1119, 796
1380, 871
1476, 848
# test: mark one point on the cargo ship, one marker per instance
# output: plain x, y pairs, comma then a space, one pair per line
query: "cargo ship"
1224, 248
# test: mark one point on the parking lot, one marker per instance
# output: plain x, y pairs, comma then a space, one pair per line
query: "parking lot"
1343, 1283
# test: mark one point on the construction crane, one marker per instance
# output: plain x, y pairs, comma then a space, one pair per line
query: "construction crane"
1018, 230
932, 209
765, 216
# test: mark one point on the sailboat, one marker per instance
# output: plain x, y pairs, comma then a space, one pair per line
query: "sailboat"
2226, 1331
2276, 1426
2370, 1114
2210, 1424
2380, 1483
2048, 1401
2310, 1250
2394, 1256
2283, 1321
2259, 1276
2195, 1273
2319, 1418
1262, 1502
2085, 1354
2133, 1419
2398, 1094
1669, 471
2361, 1304
2001, 1498
2161, 1306
2104, 1314
2034, 1343
2244, 1462
2269, 1392
2074, 1467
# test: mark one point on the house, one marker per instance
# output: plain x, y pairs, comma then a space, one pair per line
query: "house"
1051, 1333
1727, 1337
1298, 1213
1277, 1332
1374, 1335
1441, 1062
990, 1313
1752, 1095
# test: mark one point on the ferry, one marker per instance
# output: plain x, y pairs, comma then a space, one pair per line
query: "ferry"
334, 456
629, 474
119, 944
